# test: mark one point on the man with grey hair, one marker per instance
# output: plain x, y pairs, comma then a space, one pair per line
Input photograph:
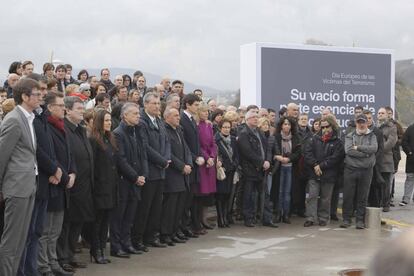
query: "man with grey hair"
12, 79
292, 110
177, 179
253, 160
132, 170
159, 90
173, 101
148, 218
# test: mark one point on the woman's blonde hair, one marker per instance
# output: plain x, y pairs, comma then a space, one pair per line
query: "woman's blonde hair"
71, 88
201, 108
231, 116
262, 121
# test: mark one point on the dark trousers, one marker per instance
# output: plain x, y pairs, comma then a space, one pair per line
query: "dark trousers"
196, 213
121, 220
172, 209
66, 244
339, 183
28, 261
185, 221
299, 182
375, 190
148, 220
386, 189
239, 197
1, 218
356, 184
251, 190
99, 233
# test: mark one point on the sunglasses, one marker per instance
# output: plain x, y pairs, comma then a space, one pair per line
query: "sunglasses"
323, 127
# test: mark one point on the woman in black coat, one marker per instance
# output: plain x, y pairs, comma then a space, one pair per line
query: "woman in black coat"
229, 157
287, 151
105, 192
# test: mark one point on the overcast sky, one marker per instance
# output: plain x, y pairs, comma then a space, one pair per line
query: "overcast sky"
194, 40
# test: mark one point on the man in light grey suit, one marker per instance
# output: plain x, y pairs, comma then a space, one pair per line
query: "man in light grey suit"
18, 170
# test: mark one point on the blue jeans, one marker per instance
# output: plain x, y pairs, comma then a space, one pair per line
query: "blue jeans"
285, 187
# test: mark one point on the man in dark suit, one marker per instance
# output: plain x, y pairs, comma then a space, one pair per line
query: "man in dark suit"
80, 210
176, 181
18, 171
147, 224
61, 78
133, 171
49, 174
191, 104
252, 151
58, 201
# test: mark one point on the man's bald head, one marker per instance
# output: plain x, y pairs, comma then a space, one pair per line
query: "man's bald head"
292, 110
12, 79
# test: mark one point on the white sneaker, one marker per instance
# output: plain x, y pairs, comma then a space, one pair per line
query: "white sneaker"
403, 203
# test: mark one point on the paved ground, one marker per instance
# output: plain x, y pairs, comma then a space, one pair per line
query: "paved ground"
288, 250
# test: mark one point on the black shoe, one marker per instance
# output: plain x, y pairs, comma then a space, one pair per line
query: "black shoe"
167, 241
77, 264
308, 223
189, 234
360, 225
286, 219
270, 224
207, 226
181, 236
68, 268
178, 240
322, 223
132, 250
334, 217
156, 243
46, 273
230, 219
386, 209
249, 223
345, 224
141, 247
61, 272
120, 254
383, 222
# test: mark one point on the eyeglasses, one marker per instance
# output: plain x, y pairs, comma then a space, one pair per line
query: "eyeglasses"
36, 94
323, 127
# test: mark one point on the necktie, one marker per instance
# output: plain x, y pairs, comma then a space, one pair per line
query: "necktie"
155, 123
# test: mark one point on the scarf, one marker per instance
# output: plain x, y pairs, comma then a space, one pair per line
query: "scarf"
286, 144
227, 144
327, 136
57, 123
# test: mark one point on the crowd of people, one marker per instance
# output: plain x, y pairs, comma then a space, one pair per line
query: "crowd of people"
87, 159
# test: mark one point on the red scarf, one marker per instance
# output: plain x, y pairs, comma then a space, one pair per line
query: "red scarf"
57, 123
326, 137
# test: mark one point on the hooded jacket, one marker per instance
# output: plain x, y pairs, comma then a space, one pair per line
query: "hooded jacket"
364, 155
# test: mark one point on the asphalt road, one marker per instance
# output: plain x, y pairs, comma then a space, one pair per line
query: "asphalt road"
288, 250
